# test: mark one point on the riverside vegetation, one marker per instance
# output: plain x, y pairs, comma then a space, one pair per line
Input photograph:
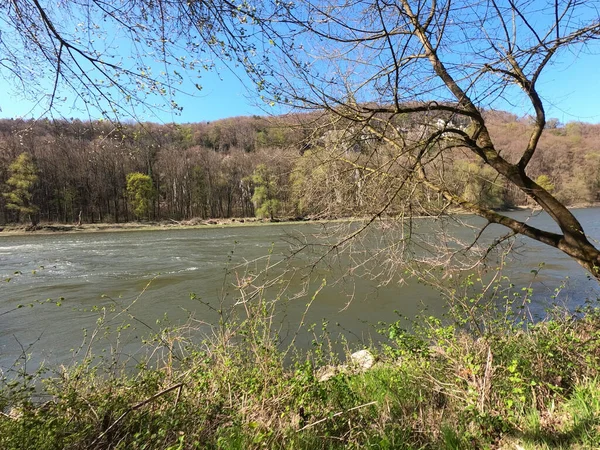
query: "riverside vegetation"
485, 376
403, 123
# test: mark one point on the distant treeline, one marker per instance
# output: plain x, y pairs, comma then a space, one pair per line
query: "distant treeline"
282, 166
197, 170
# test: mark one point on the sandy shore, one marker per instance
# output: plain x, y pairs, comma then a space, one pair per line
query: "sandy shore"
54, 228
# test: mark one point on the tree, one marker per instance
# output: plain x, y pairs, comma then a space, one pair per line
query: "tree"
367, 65
75, 50
480, 186
22, 181
370, 64
140, 192
264, 198
545, 183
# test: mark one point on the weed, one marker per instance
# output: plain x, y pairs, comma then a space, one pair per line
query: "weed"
486, 376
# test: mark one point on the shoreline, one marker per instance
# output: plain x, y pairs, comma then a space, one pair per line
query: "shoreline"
61, 228
104, 227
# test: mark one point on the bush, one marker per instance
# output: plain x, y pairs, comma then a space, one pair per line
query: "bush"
492, 378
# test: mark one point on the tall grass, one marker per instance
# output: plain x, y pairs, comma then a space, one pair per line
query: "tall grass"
486, 376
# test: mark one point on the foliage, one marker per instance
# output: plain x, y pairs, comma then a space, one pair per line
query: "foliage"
481, 185
264, 198
23, 178
422, 106
83, 167
140, 192
545, 182
484, 377
309, 184
342, 59
80, 170
576, 190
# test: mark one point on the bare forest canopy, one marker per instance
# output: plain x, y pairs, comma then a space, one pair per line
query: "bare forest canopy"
307, 165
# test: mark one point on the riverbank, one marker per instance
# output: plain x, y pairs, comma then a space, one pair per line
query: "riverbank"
58, 228
54, 228
438, 387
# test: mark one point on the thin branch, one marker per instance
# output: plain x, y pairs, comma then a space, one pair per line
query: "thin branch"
339, 413
135, 407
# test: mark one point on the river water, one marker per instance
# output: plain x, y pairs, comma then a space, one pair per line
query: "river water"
146, 278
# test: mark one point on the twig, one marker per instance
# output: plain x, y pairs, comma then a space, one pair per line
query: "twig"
178, 395
486, 380
310, 425
138, 406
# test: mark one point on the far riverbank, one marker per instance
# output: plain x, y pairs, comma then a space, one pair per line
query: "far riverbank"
54, 228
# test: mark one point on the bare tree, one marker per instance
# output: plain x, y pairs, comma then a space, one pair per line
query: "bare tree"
419, 77
112, 57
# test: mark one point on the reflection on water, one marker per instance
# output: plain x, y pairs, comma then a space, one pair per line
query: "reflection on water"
112, 269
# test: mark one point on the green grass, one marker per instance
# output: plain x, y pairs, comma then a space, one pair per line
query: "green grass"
509, 385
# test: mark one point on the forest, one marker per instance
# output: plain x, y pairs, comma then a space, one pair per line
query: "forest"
302, 165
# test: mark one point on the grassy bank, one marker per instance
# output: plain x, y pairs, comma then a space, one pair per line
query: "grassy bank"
493, 382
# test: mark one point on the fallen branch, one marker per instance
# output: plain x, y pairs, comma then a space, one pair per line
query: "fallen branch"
8, 416
310, 425
138, 406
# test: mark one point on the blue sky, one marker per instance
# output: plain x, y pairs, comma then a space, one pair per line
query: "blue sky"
222, 95
569, 88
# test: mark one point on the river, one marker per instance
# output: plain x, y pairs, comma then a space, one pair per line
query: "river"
147, 277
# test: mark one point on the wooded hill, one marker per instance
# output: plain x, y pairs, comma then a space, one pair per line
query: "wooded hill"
287, 166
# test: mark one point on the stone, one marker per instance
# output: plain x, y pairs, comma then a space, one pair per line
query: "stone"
363, 359
360, 361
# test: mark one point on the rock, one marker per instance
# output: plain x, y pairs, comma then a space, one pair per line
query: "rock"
360, 361
363, 359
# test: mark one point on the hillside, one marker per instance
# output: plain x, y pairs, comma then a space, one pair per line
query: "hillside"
302, 162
